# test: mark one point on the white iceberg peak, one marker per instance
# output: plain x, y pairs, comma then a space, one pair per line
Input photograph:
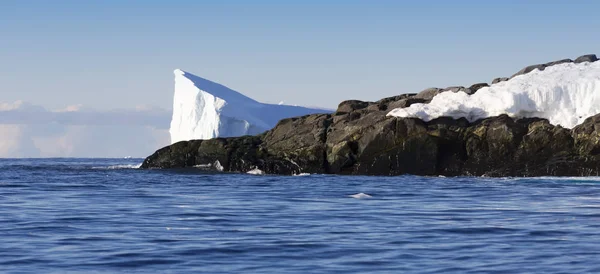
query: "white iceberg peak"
203, 109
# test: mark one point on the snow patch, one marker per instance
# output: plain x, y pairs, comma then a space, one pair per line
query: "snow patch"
565, 94
203, 110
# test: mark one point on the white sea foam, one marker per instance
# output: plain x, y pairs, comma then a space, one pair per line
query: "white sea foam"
360, 196
256, 171
301, 174
128, 166
565, 94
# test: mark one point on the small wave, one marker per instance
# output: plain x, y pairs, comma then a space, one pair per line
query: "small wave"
130, 166
301, 174
360, 196
589, 178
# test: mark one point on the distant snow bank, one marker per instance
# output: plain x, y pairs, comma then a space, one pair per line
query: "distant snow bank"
565, 94
203, 110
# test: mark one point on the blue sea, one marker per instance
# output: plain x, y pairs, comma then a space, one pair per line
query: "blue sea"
106, 216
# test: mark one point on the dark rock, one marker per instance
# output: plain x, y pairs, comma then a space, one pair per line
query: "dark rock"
543, 149
529, 69
301, 141
499, 79
558, 62
341, 141
395, 98
376, 107
455, 89
586, 58
351, 105
404, 103
215, 153
428, 94
396, 146
376, 144
178, 155
475, 87
587, 136
384, 103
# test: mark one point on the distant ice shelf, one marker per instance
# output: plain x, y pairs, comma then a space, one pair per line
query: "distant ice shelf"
565, 94
203, 110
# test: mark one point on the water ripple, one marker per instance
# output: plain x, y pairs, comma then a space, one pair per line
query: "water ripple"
101, 215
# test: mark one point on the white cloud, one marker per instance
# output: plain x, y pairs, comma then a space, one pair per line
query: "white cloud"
16, 143
71, 108
31, 131
27, 114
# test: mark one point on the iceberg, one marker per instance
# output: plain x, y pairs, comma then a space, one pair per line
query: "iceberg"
565, 94
203, 109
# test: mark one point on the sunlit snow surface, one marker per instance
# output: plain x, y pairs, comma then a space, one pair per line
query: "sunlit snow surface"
203, 110
565, 94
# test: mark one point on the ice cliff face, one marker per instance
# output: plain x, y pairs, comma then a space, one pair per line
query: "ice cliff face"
565, 94
203, 110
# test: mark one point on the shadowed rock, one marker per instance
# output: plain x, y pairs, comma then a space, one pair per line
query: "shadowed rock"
499, 79
529, 69
428, 94
475, 87
586, 58
558, 62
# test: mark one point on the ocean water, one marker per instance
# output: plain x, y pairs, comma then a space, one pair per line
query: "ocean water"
103, 216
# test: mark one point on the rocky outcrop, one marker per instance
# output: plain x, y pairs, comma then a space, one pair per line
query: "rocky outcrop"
369, 143
360, 139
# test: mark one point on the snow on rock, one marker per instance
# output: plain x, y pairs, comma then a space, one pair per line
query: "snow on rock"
203, 110
565, 94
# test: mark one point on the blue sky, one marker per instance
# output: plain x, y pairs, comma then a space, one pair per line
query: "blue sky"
121, 54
